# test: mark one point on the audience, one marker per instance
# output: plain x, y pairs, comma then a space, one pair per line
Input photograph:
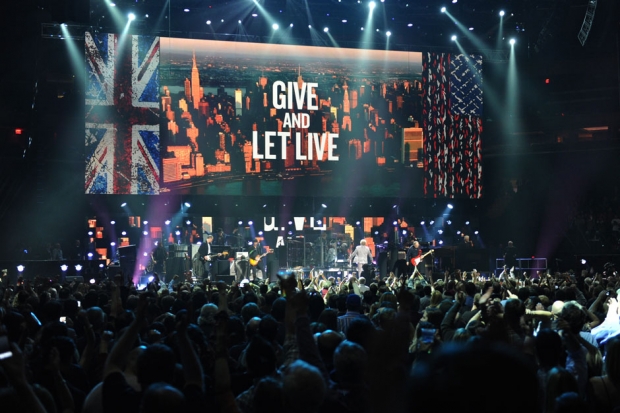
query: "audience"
464, 343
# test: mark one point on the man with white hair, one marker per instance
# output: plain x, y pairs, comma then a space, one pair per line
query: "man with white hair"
362, 285
361, 255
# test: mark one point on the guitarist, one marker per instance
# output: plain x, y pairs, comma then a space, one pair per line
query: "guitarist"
414, 254
205, 252
255, 256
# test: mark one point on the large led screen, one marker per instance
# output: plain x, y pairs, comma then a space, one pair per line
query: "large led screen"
246, 119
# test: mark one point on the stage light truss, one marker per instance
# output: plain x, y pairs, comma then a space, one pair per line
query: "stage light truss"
587, 22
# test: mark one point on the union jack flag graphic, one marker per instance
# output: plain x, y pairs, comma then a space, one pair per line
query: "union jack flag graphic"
452, 119
122, 122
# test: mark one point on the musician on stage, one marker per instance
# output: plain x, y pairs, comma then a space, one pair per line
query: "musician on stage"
255, 256
414, 254
220, 237
206, 254
361, 255
158, 257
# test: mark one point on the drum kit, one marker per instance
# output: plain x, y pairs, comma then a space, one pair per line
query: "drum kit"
335, 252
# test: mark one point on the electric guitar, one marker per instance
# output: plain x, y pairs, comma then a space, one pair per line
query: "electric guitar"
209, 256
416, 260
254, 261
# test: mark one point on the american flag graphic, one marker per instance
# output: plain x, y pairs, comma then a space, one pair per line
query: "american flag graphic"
452, 122
122, 122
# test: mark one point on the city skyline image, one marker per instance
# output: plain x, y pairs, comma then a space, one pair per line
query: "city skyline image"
258, 119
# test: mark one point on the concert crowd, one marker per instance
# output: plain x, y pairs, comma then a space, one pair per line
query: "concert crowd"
463, 342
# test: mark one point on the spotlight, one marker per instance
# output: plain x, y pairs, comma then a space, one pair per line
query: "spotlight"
20, 268
458, 232
376, 232
78, 267
124, 204
443, 9
275, 26
404, 232
186, 10
357, 223
131, 17
265, 206
453, 38
583, 261
124, 233
372, 5
440, 242
208, 21
90, 255
309, 26
319, 222
450, 206
239, 21
395, 223
240, 222
440, 231
290, 25
501, 13
476, 232
431, 223
421, 222
177, 232
290, 232
466, 222
151, 278
388, 33
290, 222
101, 265
449, 222
146, 254
410, 25
512, 42
112, 222
90, 233
324, 206
145, 233
167, 222
146, 222
92, 281
112, 244
326, 29
65, 267
250, 222
260, 233
187, 204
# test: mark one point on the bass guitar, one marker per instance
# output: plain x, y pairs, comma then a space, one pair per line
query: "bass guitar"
209, 257
254, 261
416, 260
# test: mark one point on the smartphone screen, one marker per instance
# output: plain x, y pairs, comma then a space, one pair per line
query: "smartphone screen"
63, 319
5, 348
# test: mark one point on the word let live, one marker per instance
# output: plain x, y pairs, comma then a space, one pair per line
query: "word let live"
318, 145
